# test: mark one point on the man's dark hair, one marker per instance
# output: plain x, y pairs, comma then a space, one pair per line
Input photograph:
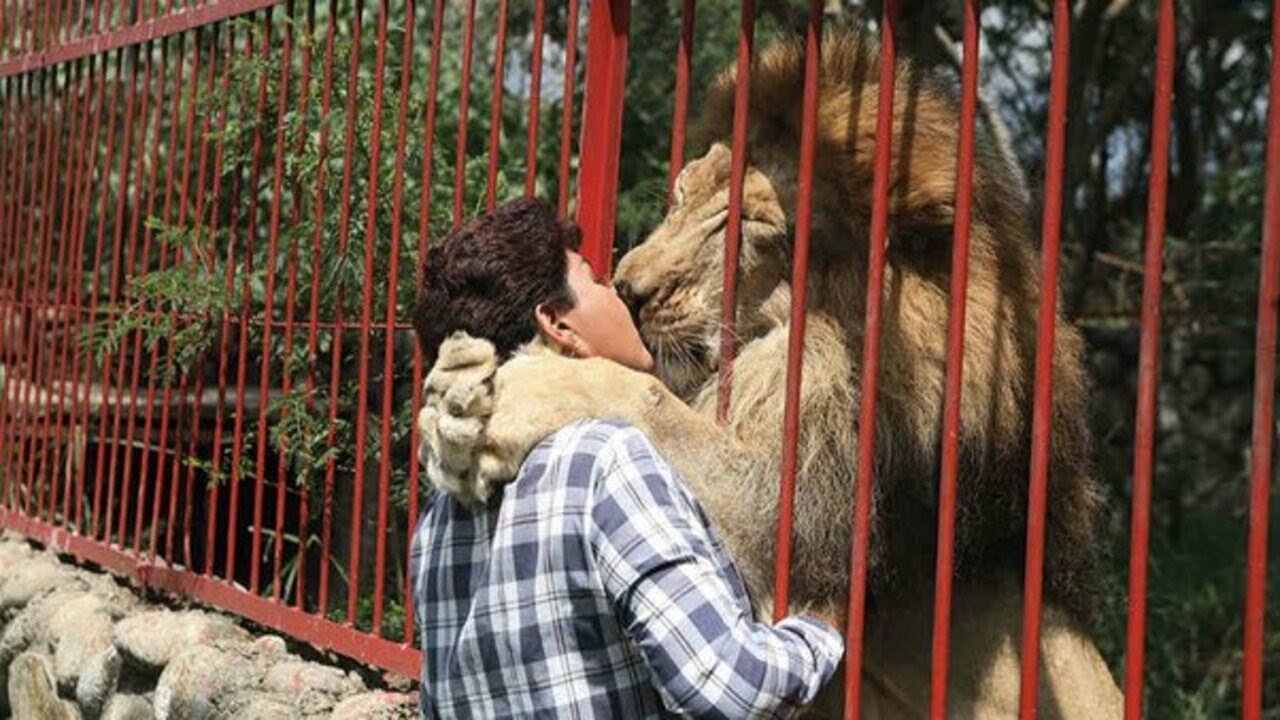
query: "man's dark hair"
488, 276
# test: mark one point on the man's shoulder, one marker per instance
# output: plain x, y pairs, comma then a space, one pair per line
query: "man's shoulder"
583, 452
597, 437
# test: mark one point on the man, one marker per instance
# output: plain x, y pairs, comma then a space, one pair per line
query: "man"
594, 585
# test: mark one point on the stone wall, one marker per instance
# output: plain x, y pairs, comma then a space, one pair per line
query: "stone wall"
78, 644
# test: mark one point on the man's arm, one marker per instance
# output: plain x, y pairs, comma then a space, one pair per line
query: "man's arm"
708, 657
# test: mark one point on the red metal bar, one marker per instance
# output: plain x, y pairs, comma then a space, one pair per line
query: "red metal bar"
944, 570
460, 159
64, 320
289, 311
98, 251
566, 115
13, 316
247, 299
335, 367
312, 338
72, 300
268, 311
495, 106
733, 228
1263, 401
82, 204
125, 264
39, 297
535, 100
132, 268
684, 67
870, 363
9, 146
47, 285
1148, 378
799, 300
17, 289
366, 331
166, 218
602, 130
144, 266
101, 42
178, 256
27, 170
424, 228
388, 347
30, 301
184, 374
229, 278
1042, 411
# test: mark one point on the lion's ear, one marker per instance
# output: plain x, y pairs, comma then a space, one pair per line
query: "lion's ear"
711, 170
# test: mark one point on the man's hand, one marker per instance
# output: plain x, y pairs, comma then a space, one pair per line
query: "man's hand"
457, 403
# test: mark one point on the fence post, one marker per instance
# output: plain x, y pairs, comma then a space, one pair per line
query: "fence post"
607, 32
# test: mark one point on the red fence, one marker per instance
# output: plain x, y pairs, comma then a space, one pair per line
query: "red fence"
122, 156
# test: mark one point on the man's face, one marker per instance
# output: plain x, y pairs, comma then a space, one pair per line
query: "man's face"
601, 320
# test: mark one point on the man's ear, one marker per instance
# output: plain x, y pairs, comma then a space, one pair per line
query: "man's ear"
554, 329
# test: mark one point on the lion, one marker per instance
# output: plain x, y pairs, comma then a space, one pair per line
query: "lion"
673, 282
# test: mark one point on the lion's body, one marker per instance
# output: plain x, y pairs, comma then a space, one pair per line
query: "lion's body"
675, 280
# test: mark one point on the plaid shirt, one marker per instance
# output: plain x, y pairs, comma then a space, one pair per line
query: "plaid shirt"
595, 587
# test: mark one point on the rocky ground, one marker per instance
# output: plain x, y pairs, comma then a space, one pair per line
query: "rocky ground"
79, 644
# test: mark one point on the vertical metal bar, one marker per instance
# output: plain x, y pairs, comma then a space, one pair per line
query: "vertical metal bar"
344, 235
460, 161
1149, 355
72, 298
535, 102
1042, 411
81, 382
424, 229
684, 68
229, 288
291, 297
29, 302
8, 252
566, 112
144, 266
120, 266
237, 442
153, 363
870, 362
602, 130
326, 502
366, 330
133, 268
98, 252
495, 106
799, 295
944, 568
388, 347
166, 218
30, 137
1263, 400
24, 171
48, 122
64, 320
182, 255
47, 309
268, 311
13, 314
733, 229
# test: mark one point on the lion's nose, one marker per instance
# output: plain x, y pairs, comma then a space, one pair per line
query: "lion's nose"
633, 298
